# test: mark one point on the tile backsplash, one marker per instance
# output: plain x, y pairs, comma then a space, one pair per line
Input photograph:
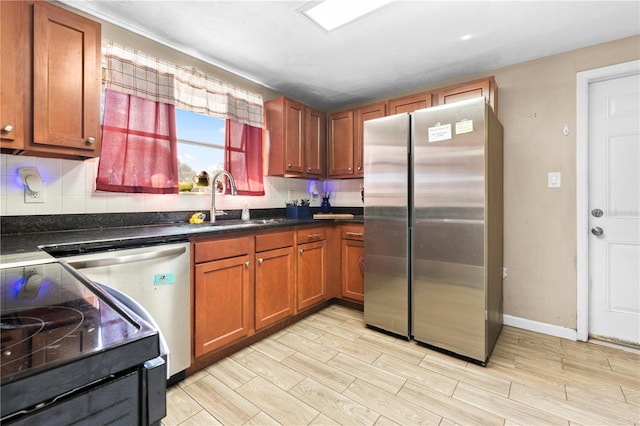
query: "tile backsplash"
69, 188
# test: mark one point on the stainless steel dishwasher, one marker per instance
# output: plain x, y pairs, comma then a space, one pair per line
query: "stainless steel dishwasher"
158, 278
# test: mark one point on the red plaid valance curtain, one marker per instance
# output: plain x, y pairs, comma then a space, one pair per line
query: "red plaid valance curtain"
243, 157
139, 146
137, 73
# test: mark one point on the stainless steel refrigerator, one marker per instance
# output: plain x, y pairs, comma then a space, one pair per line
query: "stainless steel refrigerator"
433, 218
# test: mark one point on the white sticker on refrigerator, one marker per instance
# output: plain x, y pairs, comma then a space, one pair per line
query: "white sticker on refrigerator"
440, 133
464, 126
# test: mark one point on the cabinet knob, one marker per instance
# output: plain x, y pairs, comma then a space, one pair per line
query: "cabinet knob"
359, 168
301, 251
260, 260
91, 141
247, 263
7, 128
289, 165
350, 169
309, 169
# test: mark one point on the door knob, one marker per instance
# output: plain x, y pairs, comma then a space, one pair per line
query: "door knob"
597, 213
596, 230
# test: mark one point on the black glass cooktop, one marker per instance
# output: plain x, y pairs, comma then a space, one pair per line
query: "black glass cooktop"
51, 317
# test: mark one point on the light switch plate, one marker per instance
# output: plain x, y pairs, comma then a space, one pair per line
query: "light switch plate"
553, 179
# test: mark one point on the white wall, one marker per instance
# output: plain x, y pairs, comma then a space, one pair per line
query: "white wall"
70, 189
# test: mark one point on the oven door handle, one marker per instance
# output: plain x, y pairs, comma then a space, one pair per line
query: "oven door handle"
114, 259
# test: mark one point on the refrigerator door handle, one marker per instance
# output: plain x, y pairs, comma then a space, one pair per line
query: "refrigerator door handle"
461, 221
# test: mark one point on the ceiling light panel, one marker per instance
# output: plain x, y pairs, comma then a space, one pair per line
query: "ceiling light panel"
331, 14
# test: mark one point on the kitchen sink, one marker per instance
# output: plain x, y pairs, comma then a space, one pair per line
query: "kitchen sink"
264, 221
235, 223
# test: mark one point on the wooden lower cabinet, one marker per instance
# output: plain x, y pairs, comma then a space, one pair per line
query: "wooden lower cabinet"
246, 285
352, 251
274, 285
222, 296
311, 274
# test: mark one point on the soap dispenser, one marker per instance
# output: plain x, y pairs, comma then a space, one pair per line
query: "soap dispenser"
245, 213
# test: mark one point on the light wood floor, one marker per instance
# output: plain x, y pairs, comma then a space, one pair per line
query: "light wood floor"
330, 369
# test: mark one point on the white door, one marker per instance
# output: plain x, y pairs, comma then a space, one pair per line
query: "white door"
614, 209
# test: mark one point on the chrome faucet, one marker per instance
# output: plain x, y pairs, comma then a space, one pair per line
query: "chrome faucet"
234, 191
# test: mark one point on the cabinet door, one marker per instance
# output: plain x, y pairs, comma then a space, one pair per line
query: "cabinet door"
14, 48
274, 286
363, 114
410, 103
315, 125
340, 144
66, 81
222, 303
311, 276
294, 137
352, 273
474, 89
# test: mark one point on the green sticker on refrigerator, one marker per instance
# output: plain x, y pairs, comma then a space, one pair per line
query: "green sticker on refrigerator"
164, 279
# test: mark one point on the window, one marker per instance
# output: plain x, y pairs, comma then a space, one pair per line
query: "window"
200, 144
160, 158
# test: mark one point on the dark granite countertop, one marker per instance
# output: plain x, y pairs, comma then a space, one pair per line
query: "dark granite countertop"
38, 245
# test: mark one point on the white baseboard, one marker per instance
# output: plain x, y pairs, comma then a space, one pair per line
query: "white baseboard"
540, 327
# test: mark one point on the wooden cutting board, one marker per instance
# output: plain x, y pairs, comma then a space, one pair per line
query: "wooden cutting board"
333, 216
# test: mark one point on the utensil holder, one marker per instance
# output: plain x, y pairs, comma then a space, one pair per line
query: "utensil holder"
298, 212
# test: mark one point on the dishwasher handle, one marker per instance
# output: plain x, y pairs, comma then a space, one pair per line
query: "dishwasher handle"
116, 259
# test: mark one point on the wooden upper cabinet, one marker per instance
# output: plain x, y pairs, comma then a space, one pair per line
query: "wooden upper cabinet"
346, 140
296, 136
50, 86
14, 48
66, 80
315, 129
296, 139
340, 144
485, 87
363, 114
409, 103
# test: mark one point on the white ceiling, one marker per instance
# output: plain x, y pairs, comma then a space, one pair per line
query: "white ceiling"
404, 45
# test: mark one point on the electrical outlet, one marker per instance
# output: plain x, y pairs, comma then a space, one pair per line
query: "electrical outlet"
31, 197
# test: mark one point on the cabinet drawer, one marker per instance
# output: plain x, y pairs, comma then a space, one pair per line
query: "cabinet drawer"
353, 233
222, 249
274, 241
306, 235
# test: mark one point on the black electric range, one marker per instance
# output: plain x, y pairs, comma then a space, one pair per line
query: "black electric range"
69, 352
